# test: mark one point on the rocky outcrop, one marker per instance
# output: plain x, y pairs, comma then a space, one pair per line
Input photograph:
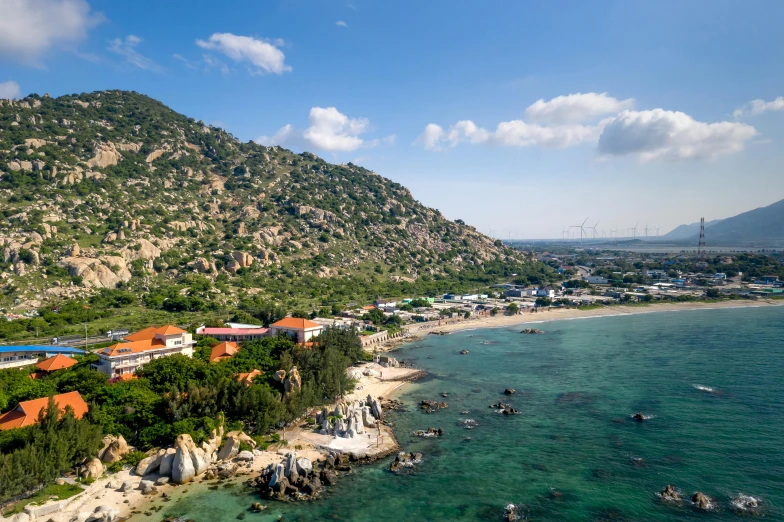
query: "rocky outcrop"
293, 382
94, 273
141, 249
103, 514
106, 155
351, 419
243, 259
701, 501
154, 155
149, 464
167, 461
294, 478
183, 468
93, 469
670, 494
114, 449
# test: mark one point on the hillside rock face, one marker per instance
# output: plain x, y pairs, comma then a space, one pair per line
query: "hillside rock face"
129, 178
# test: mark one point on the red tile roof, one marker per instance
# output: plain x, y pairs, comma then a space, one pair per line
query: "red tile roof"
152, 331
58, 362
233, 331
223, 351
132, 347
26, 412
296, 323
247, 378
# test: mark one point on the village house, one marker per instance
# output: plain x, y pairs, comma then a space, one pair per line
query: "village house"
17, 356
26, 412
223, 351
301, 330
142, 347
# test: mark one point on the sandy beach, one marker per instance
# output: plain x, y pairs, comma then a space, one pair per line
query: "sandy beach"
418, 331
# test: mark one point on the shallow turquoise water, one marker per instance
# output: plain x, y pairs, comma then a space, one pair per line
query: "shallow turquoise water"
577, 386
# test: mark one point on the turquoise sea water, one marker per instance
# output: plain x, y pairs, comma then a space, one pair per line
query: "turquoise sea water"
570, 454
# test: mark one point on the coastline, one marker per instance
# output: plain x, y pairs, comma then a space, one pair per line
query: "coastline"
372, 379
560, 314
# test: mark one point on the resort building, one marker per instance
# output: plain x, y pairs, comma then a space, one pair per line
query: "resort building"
18, 356
26, 412
301, 330
142, 347
234, 334
223, 351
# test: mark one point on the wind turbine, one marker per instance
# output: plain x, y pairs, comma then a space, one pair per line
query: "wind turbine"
657, 231
646, 229
634, 230
582, 230
565, 233
594, 229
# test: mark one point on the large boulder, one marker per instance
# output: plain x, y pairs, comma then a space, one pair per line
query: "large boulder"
165, 468
304, 466
93, 273
230, 447
243, 259
93, 469
201, 461
147, 487
183, 469
106, 155
114, 449
149, 464
278, 473
245, 456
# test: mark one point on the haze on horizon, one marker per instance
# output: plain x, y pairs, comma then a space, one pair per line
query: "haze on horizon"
518, 118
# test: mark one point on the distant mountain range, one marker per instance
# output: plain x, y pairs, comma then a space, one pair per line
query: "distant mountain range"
762, 226
689, 231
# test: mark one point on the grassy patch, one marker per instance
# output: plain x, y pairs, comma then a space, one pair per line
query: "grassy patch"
46, 494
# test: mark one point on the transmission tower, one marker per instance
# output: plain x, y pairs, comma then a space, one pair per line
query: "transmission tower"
701, 245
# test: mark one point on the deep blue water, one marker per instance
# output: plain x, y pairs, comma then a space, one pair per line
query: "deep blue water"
571, 453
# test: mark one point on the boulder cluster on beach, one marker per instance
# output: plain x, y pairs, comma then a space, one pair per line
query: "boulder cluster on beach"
350, 419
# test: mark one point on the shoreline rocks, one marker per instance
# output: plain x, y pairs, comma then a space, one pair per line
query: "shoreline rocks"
432, 406
430, 432
534, 331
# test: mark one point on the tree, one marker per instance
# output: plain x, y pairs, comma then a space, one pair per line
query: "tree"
543, 301
512, 309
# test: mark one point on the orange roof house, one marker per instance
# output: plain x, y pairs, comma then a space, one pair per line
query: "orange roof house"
223, 351
58, 362
302, 330
142, 347
26, 412
247, 378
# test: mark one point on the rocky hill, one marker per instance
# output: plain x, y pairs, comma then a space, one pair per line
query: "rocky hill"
113, 189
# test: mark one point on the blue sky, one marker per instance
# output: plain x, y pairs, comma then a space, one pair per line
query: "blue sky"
520, 117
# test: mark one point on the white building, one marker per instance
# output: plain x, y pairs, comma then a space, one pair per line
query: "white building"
142, 347
301, 330
596, 280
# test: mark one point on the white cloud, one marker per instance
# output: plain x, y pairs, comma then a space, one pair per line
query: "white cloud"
431, 137
328, 130
284, 136
515, 133
29, 28
127, 48
334, 131
755, 107
264, 55
341, 23
668, 135
189, 64
575, 108
9, 90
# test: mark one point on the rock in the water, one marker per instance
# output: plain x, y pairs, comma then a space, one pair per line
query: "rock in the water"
670, 494
701, 501
329, 477
509, 391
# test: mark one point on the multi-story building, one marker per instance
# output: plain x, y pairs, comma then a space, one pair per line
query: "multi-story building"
142, 347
